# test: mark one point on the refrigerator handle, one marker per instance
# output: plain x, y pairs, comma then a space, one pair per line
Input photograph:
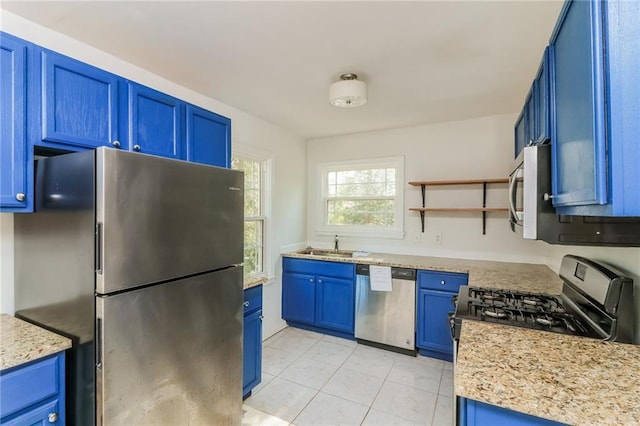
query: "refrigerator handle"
98, 250
99, 343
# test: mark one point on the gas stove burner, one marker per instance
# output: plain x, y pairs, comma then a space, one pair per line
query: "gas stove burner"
495, 312
491, 296
549, 322
532, 300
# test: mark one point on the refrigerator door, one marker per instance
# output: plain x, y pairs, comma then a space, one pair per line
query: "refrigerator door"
182, 362
160, 219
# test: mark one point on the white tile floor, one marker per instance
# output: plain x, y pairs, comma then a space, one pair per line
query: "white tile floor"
315, 379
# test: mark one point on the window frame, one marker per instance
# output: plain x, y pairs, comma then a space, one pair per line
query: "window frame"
322, 226
266, 161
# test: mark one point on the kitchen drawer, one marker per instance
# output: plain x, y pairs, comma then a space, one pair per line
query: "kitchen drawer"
443, 281
29, 384
319, 267
252, 299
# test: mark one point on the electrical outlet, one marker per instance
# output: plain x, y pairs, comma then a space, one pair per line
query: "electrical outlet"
437, 238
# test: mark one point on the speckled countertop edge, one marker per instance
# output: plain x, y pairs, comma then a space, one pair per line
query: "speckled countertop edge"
482, 273
249, 282
568, 379
22, 342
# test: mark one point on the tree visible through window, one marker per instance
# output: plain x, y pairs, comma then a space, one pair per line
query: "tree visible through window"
362, 196
254, 214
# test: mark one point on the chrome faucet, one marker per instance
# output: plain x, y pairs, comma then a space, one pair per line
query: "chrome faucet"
335, 243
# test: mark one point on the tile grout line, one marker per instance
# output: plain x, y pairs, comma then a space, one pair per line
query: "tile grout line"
334, 373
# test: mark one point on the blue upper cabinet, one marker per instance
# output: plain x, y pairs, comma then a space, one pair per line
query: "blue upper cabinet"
155, 122
532, 125
594, 59
208, 137
15, 170
79, 104
521, 131
541, 131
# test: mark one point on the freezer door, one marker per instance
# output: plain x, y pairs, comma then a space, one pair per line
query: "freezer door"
159, 219
171, 354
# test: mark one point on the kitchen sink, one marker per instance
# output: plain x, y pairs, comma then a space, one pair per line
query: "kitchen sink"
345, 254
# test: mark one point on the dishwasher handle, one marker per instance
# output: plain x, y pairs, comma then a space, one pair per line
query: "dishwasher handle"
396, 273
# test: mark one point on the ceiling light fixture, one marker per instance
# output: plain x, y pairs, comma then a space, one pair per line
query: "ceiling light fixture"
349, 92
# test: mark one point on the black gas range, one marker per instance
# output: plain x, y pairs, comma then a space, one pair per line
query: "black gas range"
596, 302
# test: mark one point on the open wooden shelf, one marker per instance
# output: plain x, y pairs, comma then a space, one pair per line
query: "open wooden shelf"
459, 209
484, 209
458, 182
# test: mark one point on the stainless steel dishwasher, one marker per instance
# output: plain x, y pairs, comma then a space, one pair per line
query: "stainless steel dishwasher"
387, 318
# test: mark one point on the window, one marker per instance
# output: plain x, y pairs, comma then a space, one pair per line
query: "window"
255, 210
362, 198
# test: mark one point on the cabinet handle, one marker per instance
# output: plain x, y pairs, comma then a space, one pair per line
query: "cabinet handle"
310, 280
246, 304
261, 317
52, 417
443, 282
319, 281
20, 196
116, 144
136, 147
547, 196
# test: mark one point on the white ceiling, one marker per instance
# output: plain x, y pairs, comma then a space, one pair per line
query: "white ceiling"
424, 62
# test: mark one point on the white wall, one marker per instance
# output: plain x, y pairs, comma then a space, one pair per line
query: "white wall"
478, 148
288, 149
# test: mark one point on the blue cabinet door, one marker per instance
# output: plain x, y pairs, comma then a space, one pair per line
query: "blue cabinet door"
298, 297
46, 414
252, 351
520, 132
155, 122
579, 164
208, 137
79, 104
15, 170
434, 332
34, 393
542, 101
335, 303
475, 413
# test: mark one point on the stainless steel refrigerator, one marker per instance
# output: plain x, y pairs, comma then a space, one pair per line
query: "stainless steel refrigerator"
138, 259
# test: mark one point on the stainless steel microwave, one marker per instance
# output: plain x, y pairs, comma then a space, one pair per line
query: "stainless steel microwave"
532, 214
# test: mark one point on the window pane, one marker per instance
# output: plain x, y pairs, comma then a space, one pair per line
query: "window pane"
361, 183
361, 212
253, 246
253, 229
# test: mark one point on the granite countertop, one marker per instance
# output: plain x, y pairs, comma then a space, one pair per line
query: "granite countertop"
482, 273
21, 342
249, 282
568, 379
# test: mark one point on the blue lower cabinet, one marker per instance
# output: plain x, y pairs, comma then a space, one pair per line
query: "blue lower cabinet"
434, 301
252, 340
33, 393
335, 303
475, 413
319, 295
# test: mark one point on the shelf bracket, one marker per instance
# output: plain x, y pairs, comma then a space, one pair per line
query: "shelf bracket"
423, 189
484, 206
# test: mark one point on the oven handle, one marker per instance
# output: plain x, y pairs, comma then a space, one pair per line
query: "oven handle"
451, 319
513, 180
